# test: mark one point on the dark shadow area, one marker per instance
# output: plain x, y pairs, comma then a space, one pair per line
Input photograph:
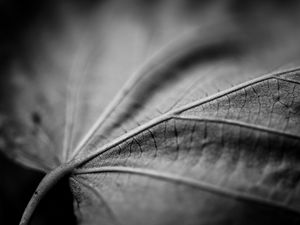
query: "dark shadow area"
17, 184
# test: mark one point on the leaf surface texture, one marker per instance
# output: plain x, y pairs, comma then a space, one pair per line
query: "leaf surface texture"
167, 109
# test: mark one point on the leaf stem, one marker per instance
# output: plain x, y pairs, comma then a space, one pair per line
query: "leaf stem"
47, 183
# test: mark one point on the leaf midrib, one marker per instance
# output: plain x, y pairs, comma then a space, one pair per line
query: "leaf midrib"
175, 114
160, 58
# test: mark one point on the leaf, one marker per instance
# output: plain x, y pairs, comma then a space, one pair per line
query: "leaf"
160, 116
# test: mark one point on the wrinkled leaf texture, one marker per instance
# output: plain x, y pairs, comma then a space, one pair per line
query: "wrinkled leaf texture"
162, 112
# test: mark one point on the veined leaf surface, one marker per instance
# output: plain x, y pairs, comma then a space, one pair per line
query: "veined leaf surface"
160, 116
